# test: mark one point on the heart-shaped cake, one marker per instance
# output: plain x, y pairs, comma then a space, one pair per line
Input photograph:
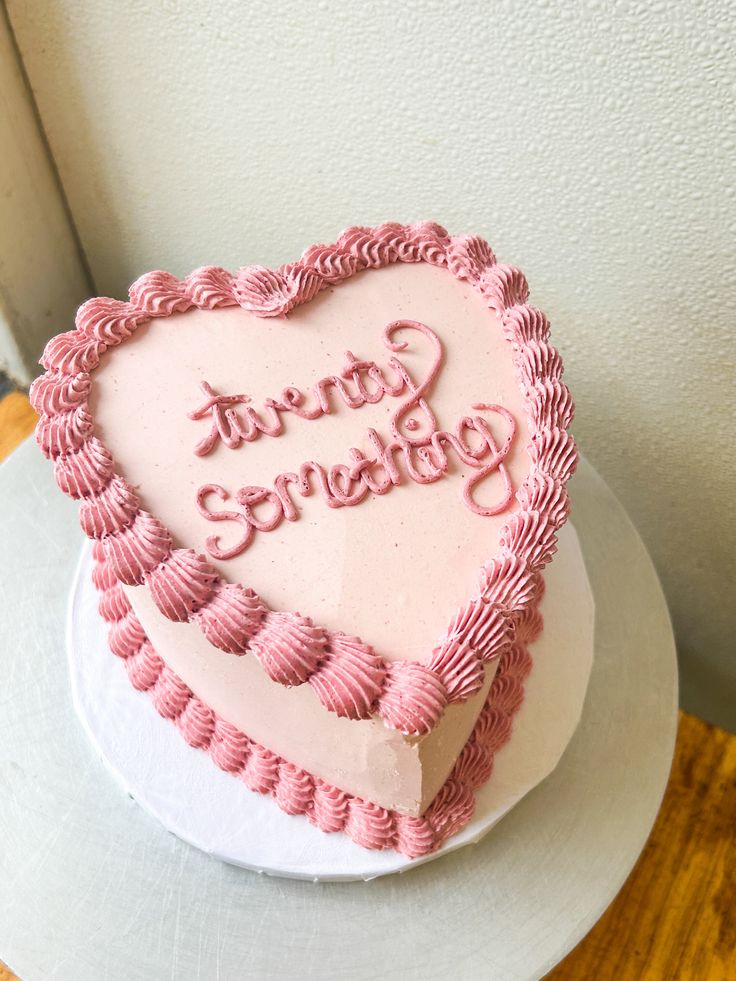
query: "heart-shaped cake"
322, 498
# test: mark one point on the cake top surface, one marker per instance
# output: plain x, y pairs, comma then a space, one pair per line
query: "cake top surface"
390, 569
357, 459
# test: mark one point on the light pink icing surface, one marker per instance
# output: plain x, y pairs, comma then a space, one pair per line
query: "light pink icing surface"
349, 678
368, 570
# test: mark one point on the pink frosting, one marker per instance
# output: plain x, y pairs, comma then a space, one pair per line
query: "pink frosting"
451, 809
137, 548
261, 770
229, 747
415, 836
114, 604
210, 287
503, 286
458, 666
537, 359
468, 256
516, 661
529, 625
144, 667
113, 509
57, 392
481, 628
553, 452
230, 617
349, 679
85, 470
72, 353
329, 807
329, 264
550, 405
196, 722
413, 698
170, 694
297, 791
545, 495
509, 694
289, 647
493, 727
505, 580
272, 292
109, 321
370, 825
529, 532
474, 765
182, 585
102, 575
307, 282
294, 789
159, 294
65, 431
126, 636
524, 325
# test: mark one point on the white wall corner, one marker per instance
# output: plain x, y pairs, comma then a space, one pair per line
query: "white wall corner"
42, 271
12, 362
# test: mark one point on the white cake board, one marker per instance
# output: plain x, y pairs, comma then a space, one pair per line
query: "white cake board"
94, 889
211, 810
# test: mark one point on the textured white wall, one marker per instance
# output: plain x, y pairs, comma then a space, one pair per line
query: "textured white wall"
590, 142
42, 277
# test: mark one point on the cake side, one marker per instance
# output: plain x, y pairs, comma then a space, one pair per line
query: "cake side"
293, 789
364, 758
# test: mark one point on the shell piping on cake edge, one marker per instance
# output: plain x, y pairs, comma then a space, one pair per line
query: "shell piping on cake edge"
295, 790
351, 680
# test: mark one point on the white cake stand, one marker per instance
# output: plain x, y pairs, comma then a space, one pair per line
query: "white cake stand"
94, 888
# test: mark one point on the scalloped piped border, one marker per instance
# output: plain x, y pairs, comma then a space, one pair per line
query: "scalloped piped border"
297, 791
347, 676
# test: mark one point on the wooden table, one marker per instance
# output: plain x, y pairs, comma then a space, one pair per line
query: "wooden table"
675, 917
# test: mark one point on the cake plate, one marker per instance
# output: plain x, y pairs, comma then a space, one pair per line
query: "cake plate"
94, 888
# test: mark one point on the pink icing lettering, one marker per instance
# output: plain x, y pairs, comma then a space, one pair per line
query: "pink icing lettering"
249, 497
340, 480
495, 463
231, 426
225, 423
347, 485
332, 381
281, 488
292, 400
416, 450
213, 542
305, 488
234, 421
416, 399
353, 369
